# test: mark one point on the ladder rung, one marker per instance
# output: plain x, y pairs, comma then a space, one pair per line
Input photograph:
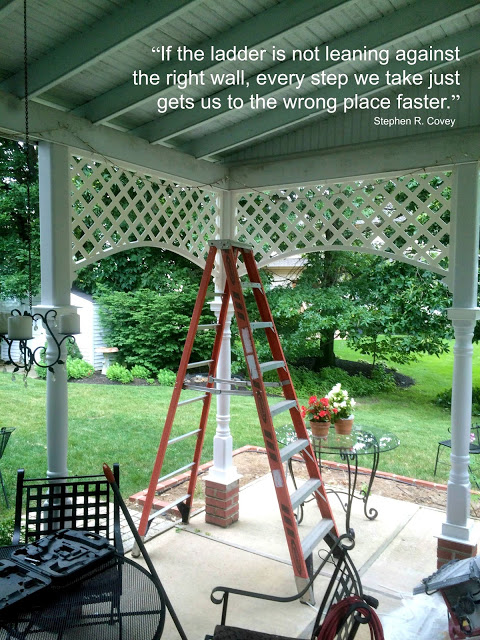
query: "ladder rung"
317, 534
174, 473
168, 506
282, 406
217, 392
182, 437
298, 497
190, 400
208, 326
291, 449
273, 364
201, 363
261, 325
251, 285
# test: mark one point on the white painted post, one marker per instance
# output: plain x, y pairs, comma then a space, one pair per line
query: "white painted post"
223, 470
55, 261
463, 315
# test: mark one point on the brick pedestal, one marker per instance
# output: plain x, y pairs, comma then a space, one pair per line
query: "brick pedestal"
448, 550
221, 503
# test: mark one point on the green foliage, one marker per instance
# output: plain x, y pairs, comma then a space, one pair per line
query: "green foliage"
16, 223
119, 373
150, 329
383, 308
444, 399
77, 368
6, 530
140, 268
139, 371
308, 382
166, 377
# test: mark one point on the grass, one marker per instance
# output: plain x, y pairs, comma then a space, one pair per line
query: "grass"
124, 424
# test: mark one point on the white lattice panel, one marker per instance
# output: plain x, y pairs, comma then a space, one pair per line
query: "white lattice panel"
115, 209
406, 218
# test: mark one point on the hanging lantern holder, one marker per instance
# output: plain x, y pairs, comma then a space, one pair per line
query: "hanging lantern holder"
33, 357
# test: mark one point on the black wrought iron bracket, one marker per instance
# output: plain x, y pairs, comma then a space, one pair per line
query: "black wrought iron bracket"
30, 357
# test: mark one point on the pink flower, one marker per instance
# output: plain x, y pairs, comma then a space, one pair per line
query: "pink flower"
324, 401
312, 400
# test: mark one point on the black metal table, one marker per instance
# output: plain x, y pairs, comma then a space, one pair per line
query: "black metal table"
363, 441
78, 610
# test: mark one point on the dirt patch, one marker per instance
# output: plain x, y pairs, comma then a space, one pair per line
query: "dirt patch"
253, 465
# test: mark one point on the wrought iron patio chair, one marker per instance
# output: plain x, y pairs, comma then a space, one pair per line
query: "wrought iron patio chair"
474, 449
44, 506
344, 589
5, 433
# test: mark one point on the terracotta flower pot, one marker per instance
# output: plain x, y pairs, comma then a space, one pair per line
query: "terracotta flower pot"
344, 426
319, 429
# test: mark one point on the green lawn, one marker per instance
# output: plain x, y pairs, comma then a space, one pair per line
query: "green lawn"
123, 424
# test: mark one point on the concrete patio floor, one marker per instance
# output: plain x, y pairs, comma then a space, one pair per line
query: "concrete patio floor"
392, 554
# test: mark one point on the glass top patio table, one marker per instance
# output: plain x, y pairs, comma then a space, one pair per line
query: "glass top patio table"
363, 441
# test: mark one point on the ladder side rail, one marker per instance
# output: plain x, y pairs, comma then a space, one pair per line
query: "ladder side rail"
266, 422
157, 467
217, 344
288, 388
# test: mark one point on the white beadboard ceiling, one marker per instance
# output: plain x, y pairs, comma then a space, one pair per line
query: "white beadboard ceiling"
81, 56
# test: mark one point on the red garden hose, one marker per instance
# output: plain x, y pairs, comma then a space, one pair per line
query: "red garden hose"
340, 612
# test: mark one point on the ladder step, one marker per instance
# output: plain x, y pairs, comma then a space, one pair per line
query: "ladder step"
208, 326
217, 392
282, 406
273, 364
261, 325
182, 437
201, 363
299, 496
174, 473
293, 448
168, 506
316, 535
251, 285
190, 400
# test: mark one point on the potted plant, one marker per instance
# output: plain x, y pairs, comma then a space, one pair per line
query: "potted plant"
318, 414
342, 408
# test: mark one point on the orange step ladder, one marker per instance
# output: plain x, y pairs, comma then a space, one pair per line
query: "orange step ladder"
300, 549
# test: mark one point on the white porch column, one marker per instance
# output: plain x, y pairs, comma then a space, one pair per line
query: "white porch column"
223, 470
55, 261
464, 313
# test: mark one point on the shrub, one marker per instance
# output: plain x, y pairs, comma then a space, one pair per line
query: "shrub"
150, 329
77, 368
139, 371
308, 382
166, 377
6, 531
444, 399
118, 373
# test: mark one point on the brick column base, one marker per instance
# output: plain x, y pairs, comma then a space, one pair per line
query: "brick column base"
221, 502
448, 550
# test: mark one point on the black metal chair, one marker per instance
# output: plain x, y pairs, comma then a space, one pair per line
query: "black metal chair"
474, 449
5, 433
44, 506
344, 587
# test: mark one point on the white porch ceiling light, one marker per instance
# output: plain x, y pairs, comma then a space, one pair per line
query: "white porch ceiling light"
17, 326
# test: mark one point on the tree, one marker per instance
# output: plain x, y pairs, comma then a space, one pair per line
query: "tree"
15, 224
383, 308
142, 268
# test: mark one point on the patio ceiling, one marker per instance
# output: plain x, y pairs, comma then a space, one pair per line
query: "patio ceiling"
82, 57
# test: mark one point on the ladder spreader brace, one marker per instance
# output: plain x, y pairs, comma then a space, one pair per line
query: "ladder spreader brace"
300, 550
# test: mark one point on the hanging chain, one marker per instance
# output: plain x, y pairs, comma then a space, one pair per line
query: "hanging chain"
27, 157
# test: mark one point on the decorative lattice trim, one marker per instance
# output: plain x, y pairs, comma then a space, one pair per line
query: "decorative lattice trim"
114, 209
406, 218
